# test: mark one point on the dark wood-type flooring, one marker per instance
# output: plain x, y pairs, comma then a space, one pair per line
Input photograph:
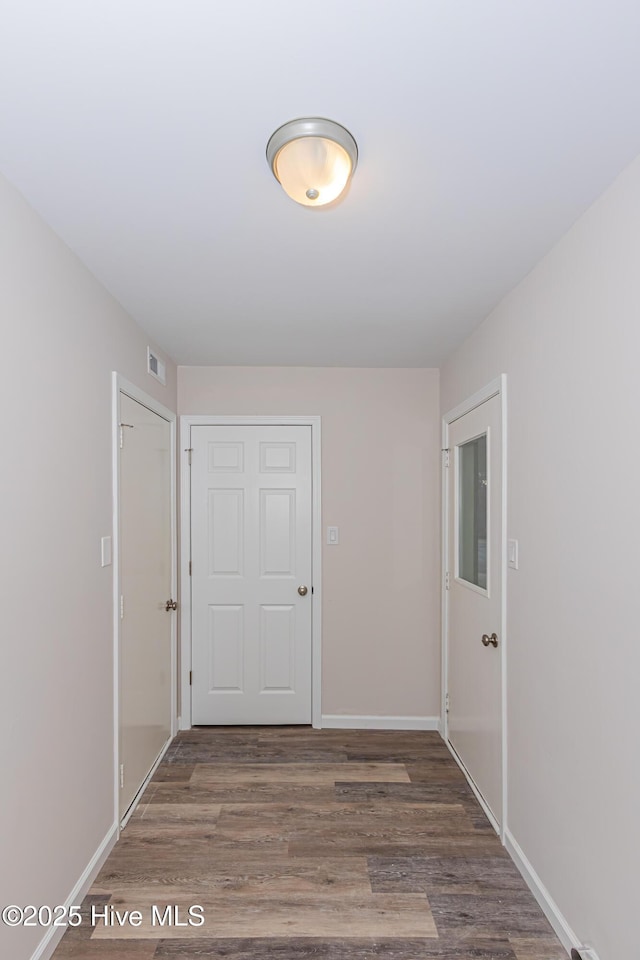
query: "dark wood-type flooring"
303, 844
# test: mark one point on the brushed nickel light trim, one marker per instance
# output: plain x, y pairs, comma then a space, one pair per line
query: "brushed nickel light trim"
313, 159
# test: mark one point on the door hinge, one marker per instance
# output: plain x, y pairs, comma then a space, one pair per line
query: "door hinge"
446, 703
447, 581
121, 775
190, 568
189, 451
122, 426
190, 678
446, 452
121, 606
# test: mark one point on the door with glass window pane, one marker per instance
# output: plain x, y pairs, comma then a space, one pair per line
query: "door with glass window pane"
474, 678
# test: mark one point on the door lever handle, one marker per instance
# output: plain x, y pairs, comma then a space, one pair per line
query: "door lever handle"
490, 640
171, 605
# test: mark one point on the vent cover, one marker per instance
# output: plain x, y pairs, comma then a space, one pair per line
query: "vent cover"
156, 367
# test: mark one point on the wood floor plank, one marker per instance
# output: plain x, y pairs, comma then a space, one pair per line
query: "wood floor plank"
297, 772
331, 878
461, 915
157, 821
244, 793
436, 874
180, 859
93, 949
313, 948
84, 930
391, 915
173, 772
537, 948
425, 771
393, 822
181, 813
422, 792
478, 846
292, 753
147, 830
379, 752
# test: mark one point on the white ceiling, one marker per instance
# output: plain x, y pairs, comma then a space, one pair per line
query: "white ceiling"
137, 128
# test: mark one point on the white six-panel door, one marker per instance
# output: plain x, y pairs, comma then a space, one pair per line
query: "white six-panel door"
251, 574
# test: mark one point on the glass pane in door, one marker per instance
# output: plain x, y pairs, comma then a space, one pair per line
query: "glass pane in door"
472, 511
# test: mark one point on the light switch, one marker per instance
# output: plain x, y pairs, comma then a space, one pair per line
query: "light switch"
333, 536
105, 551
512, 554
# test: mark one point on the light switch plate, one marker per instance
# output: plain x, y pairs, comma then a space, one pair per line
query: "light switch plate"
512, 554
333, 536
105, 551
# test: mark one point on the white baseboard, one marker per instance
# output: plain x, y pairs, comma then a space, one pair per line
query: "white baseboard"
54, 935
349, 722
549, 907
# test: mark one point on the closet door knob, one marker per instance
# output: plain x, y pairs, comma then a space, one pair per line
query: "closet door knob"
490, 640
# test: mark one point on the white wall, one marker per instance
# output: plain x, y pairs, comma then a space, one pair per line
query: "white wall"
569, 339
62, 335
380, 483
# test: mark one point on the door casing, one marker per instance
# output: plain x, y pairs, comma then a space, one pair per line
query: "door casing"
192, 420
497, 387
120, 384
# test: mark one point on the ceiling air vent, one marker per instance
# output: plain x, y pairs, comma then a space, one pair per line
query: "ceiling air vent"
156, 367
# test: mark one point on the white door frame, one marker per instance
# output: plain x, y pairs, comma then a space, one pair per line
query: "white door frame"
119, 384
192, 420
497, 387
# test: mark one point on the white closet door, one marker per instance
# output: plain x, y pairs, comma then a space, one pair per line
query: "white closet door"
251, 574
145, 580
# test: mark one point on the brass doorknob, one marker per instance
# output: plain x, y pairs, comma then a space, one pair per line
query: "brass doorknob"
302, 591
490, 640
171, 605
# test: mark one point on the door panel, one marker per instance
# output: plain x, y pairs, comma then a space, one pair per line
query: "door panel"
226, 535
277, 533
251, 550
277, 648
226, 648
474, 681
145, 578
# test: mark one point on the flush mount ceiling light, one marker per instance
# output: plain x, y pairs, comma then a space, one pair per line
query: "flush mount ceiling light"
313, 159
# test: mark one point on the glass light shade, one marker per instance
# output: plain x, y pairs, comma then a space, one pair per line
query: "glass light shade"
313, 159
312, 170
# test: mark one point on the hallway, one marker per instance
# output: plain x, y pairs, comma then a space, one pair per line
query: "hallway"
301, 843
